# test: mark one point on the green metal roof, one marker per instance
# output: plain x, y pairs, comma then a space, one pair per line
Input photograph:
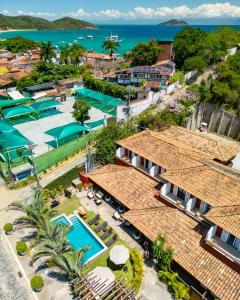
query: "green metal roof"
95, 123
7, 103
99, 96
17, 111
66, 130
39, 106
13, 140
6, 127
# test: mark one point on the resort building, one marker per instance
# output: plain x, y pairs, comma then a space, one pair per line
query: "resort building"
177, 183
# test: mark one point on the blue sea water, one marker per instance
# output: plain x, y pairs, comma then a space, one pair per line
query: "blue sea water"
79, 236
129, 34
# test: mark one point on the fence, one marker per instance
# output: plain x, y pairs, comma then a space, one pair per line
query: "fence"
218, 120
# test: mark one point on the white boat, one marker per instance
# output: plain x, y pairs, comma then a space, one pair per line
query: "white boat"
113, 37
90, 37
81, 38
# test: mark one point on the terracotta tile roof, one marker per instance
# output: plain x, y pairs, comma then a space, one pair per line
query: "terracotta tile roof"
97, 56
152, 84
208, 183
69, 80
227, 218
185, 236
131, 187
4, 82
221, 150
161, 152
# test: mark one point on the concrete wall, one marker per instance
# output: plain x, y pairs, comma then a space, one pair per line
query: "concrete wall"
218, 120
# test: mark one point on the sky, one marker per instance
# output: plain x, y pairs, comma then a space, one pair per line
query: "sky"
128, 11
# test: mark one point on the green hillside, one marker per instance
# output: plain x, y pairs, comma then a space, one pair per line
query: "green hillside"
28, 22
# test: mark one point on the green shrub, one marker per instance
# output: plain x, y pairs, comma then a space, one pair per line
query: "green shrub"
23, 183
137, 266
37, 283
21, 247
8, 227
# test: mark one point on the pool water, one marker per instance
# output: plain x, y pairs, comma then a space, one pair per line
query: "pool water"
80, 236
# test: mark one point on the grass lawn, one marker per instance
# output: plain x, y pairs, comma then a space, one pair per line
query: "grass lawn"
69, 205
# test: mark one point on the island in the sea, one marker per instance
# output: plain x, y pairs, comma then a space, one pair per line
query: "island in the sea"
174, 22
28, 23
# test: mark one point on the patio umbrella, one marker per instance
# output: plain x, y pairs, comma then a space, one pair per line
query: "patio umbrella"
119, 254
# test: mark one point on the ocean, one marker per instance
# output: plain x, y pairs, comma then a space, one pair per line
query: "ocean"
129, 35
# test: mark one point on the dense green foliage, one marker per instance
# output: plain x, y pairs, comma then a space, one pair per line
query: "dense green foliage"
106, 138
176, 287
110, 46
8, 227
29, 22
111, 89
17, 44
47, 72
137, 264
47, 52
162, 253
81, 111
21, 247
37, 283
71, 54
144, 54
64, 180
195, 45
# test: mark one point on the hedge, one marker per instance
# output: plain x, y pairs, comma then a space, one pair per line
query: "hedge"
137, 266
8, 227
21, 247
37, 283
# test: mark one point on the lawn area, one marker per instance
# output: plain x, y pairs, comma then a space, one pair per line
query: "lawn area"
47, 160
69, 205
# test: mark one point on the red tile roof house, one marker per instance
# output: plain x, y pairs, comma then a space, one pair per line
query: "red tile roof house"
176, 183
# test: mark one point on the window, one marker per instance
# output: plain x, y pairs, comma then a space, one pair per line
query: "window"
181, 194
231, 240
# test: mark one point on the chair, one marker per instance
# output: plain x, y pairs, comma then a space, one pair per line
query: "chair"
98, 201
101, 227
117, 216
94, 220
111, 241
90, 195
107, 234
99, 195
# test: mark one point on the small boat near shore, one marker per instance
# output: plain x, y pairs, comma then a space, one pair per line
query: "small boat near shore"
90, 37
113, 37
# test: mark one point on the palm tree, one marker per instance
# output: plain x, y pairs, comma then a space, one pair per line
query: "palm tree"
47, 51
50, 232
110, 46
52, 248
75, 53
70, 263
35, 213
64, 55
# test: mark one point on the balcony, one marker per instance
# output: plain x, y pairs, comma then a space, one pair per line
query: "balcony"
227, 250
175, 200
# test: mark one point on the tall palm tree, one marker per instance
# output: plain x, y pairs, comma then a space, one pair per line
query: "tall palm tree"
75, 53
110, 46
35, 213
52, 248
70, 263
47, 52
50, 232
64, 55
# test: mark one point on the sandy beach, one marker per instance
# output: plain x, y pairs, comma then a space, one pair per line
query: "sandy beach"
14, 30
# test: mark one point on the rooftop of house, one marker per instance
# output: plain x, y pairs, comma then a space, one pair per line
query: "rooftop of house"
94, 55
152, 84
186, 236
131, 187
147, 70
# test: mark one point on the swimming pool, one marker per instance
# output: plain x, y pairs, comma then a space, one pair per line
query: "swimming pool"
80, 235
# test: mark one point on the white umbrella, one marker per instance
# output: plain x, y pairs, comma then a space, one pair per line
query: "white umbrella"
119, 255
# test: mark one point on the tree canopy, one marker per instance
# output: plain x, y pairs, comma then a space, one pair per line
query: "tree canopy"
210, 46
110, 46
81, 111
18, 44
144, 54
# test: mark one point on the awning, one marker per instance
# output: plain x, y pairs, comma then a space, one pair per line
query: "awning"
8, 103
13, 140
99, 96
17, 111
6, 127
43, 105
66, 130
95, 124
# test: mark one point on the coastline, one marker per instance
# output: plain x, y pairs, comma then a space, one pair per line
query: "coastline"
16, 30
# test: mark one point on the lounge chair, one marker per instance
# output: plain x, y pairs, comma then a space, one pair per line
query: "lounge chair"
111, 241
94, 220
90, 195
101, 227
98, 201
107, 234
117, 216
99, 195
